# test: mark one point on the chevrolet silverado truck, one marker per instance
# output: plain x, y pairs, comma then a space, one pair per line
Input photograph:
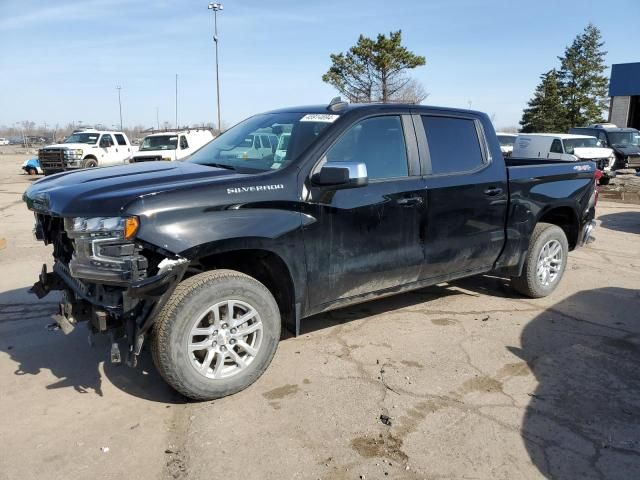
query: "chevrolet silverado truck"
86, 148
208, 259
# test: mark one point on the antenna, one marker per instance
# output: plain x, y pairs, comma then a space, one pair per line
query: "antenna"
337, 104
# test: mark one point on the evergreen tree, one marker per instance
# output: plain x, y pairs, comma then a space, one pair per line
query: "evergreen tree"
545, 112
583, 85
374, 70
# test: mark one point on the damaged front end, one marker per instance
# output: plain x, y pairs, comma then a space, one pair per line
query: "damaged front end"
108, 279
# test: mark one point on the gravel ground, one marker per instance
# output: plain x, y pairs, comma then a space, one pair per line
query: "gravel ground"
462, 380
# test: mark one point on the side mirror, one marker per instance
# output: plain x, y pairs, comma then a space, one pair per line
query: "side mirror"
341, 175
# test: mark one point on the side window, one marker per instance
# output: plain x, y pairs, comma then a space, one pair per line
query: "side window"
603, 138
183, 142
120, 139
106, 141
556, 146
378, 142
453, 144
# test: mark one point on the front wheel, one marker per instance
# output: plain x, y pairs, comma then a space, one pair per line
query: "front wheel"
545, 263
216, 335
90, 163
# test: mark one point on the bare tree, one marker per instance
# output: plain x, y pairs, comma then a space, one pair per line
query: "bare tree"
411, 92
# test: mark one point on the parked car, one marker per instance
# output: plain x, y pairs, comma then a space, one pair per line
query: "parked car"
32, 167
210, 257
256, 146
565, 147
624, 142
171, 145
4, 141
283, 145
506, 142
86, 148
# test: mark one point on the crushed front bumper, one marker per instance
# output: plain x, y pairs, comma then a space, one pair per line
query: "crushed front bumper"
124, 312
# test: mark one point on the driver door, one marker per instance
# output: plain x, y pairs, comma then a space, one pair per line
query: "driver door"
108, 154
367, 239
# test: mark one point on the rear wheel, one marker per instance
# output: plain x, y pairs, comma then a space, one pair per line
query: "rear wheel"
216, 335
32, 171
545, 263
604, 180
90, 163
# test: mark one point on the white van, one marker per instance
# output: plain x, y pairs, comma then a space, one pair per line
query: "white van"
566, 147
171, 145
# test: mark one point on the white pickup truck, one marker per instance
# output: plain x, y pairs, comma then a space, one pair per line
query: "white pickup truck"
171, 145
86, 148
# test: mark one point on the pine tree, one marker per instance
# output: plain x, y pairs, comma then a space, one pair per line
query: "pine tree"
545, 112
374, 70
583, 85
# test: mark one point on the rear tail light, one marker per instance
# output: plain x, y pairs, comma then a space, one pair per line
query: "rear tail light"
598, 176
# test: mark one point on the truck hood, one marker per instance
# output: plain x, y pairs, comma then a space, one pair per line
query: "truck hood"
84, 146
107, 191
588, 153
632, 150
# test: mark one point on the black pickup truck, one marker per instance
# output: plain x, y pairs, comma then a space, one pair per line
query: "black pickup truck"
210, 257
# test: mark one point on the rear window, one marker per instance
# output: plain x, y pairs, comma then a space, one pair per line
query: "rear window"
120, 139
453, 144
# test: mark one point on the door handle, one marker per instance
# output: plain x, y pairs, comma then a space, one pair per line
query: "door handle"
409, 201
493, 191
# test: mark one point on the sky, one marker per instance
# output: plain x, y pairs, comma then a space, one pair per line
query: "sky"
60, 61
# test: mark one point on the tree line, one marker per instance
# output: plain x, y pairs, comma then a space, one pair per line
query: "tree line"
575, 94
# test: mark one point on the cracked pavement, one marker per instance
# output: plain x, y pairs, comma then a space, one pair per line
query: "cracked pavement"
476, 382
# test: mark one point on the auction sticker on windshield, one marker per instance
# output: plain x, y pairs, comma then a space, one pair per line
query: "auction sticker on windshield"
319, 117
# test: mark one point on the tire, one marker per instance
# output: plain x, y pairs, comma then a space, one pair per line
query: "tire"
32, 171
531, 283
604, 180
89, 163
185, 311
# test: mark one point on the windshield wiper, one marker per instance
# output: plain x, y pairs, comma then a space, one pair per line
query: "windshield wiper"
221, 165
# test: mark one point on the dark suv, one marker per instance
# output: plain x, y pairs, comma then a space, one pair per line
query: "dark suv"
625, 142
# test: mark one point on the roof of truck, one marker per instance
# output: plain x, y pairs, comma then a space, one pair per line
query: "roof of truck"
562, 136
348, 107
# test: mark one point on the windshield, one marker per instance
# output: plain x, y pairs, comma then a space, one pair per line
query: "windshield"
571, 143
88, 138
623, 139
251, 145
506, 140
160, 142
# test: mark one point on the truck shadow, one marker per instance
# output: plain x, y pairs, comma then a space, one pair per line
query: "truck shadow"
76, 364
627, 222
583, 419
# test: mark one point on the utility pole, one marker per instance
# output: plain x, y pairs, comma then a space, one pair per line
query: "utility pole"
216, 7
120, 104
177, 100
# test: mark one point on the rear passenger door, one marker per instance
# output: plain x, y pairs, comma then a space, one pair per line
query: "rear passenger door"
466, 196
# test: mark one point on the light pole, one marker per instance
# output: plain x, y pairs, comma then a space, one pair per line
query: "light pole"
119, 104
216, 7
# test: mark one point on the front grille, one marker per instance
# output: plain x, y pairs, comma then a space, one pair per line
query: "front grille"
602, 163
147, 158
51, 158
633, 161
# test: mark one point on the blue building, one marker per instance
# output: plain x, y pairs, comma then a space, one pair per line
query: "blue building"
624, 90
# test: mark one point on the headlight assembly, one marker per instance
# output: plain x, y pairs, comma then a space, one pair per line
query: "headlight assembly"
120, 227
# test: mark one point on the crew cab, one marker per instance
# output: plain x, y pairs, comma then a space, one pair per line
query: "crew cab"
566, 147
86, 148
171, 145
625, 142
209, 258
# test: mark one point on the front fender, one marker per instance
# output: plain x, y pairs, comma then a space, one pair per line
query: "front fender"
218, 231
